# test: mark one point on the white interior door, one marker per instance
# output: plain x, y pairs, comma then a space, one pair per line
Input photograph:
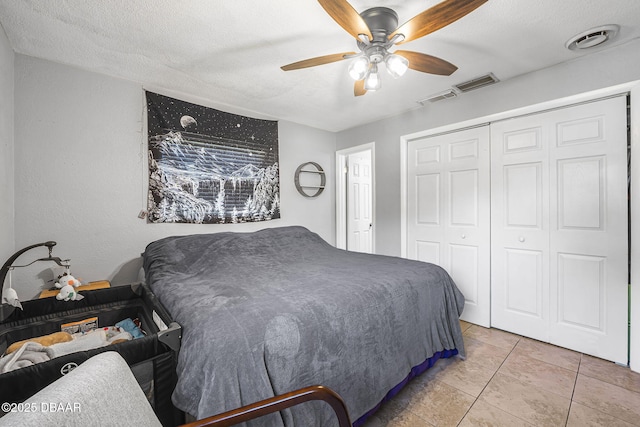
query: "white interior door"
359, 202
559, 221
448, 221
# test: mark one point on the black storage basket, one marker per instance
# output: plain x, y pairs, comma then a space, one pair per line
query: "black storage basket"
152, 358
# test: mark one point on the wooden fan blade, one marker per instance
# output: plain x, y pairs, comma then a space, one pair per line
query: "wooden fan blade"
427, 63
358, 88
347, 17
435, 18
319, 60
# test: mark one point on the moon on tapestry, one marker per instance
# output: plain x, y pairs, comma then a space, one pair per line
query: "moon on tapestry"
208, 166
187, 121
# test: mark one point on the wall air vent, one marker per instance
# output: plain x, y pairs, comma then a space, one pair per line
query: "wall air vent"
477, 83
450, 93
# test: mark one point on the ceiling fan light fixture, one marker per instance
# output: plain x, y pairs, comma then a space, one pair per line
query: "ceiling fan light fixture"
359, 67
376, 31
396, 65
372, 81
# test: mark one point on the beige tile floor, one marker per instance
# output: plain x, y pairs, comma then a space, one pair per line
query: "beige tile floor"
509, 380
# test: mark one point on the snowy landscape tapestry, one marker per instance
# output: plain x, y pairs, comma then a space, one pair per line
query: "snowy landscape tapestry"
210, 167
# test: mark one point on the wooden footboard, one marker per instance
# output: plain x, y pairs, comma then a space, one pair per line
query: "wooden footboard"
276, 404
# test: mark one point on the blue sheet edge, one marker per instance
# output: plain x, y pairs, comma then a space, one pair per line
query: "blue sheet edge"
415, 371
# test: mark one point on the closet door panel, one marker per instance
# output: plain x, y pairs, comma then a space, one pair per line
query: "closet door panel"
523, 196
581, 184
428, 206
560, 227
589, 229
463, 209
523, 282
427, 251
448, 212
464, 267
585, 276
520, 227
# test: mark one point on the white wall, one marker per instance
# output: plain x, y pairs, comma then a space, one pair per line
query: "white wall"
617, 65
6, 148
80, 166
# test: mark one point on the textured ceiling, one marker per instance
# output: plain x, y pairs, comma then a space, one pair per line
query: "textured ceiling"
230, 51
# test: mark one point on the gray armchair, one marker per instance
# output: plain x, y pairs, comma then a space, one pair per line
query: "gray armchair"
103, 392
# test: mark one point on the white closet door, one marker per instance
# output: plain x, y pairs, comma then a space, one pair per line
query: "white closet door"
559, 227
520, 226
448, 212
589, 242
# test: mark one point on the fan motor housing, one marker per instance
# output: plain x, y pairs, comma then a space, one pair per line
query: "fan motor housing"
381, 21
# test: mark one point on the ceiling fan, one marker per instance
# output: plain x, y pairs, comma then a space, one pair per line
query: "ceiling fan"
376, 31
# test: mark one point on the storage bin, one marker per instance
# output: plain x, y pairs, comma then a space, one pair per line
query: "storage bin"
152, 358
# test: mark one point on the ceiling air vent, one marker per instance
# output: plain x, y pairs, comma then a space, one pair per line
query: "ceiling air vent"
593, 37
439, 96
477, 83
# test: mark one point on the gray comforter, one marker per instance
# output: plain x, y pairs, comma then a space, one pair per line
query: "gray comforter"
268, 312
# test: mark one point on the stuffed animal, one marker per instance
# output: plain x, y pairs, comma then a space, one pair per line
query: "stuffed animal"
67, 279
68, 293
10, 296
45, 340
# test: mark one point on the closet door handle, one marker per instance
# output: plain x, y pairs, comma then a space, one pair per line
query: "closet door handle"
464, 236
521, 239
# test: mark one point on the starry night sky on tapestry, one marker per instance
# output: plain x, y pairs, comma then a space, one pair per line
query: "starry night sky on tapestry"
208, 166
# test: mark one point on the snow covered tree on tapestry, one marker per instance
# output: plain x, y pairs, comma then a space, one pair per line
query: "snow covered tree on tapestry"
210, 167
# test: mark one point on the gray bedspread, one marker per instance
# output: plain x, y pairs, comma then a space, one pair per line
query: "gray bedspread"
267, 312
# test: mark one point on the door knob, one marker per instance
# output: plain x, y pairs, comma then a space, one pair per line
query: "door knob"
464, 236
521, 239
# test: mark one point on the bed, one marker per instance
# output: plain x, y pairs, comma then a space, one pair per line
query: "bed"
267, 312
